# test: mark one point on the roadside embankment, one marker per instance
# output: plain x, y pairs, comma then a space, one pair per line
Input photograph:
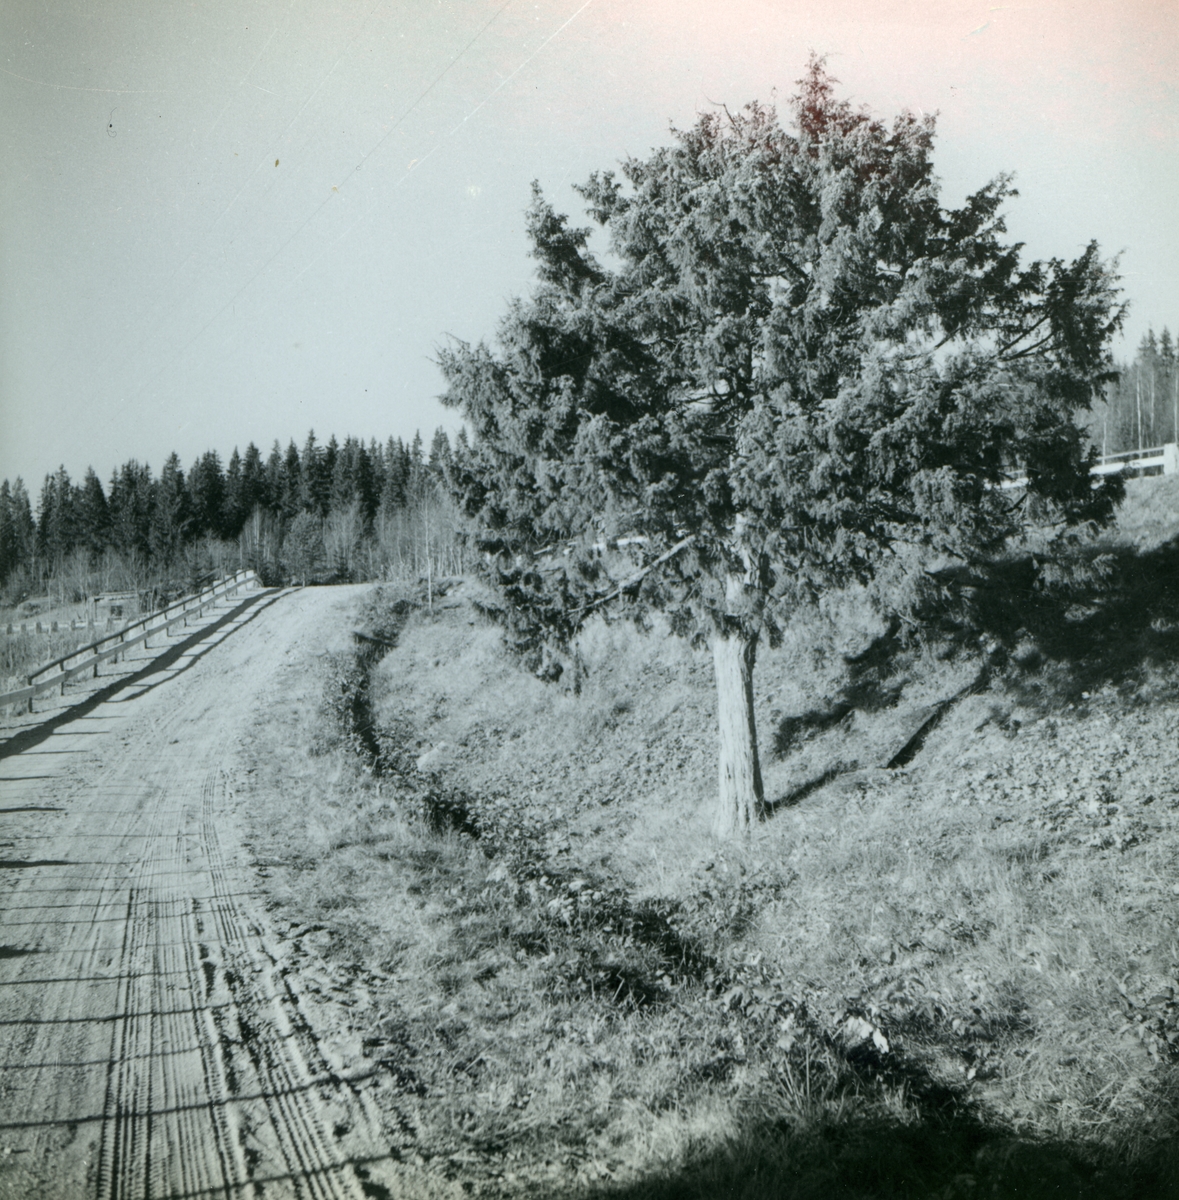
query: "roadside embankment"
957, 976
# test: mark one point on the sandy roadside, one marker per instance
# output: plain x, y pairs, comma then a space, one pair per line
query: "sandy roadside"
150, 1041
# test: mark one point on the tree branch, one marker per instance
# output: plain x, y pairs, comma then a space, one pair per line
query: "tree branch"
1021, 335
1028, 349
638, 577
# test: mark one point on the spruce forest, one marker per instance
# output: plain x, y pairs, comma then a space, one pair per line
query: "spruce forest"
344, 511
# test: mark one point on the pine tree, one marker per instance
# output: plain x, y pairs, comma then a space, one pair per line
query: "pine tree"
415, 466
396, 486
1148, 356
290, 484
206, 495
343, 488
330, 451
8, 553
1170, 381
57, 518
376, 458
18, 536
130, 501
364, 484
316, 479
275, 476
800, 370
233, 509
254, 481
24, 529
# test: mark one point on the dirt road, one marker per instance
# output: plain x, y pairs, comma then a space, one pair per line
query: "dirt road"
151, 1044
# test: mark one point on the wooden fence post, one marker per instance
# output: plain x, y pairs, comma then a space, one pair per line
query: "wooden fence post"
114, 642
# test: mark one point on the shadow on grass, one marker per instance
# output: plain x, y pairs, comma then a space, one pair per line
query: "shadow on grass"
868, 689
1101, 617
940, 1145
1092, 618
948, 1159
798, 794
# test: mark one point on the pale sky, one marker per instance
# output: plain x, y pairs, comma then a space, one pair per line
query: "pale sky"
223, 222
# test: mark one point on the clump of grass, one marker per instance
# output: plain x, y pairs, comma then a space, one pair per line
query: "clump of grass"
1147, 517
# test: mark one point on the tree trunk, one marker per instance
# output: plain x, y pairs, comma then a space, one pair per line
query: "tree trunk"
741, 799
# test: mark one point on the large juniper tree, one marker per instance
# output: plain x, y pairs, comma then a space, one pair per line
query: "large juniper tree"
792, 367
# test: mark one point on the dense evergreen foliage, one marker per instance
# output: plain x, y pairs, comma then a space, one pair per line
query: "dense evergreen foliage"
794, 369
356, 510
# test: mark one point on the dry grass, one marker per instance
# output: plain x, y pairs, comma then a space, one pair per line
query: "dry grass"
1150, 513
949, 979
21, 653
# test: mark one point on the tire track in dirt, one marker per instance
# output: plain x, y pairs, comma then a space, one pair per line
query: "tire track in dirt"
150, 1043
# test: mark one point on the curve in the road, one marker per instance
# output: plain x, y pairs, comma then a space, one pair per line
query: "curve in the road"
195, 645
150, 1043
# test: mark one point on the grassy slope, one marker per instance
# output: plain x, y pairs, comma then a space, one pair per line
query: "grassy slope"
945, 979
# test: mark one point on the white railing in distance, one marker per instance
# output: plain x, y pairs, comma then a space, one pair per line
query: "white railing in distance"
1166, 457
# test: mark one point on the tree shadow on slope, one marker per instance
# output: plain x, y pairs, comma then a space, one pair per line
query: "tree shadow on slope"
1057, 628
1099, 618
952, 1159
871, 684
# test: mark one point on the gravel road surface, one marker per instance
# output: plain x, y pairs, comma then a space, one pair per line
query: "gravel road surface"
151, 1043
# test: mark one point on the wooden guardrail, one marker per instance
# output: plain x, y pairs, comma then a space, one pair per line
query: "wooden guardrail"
110, 646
